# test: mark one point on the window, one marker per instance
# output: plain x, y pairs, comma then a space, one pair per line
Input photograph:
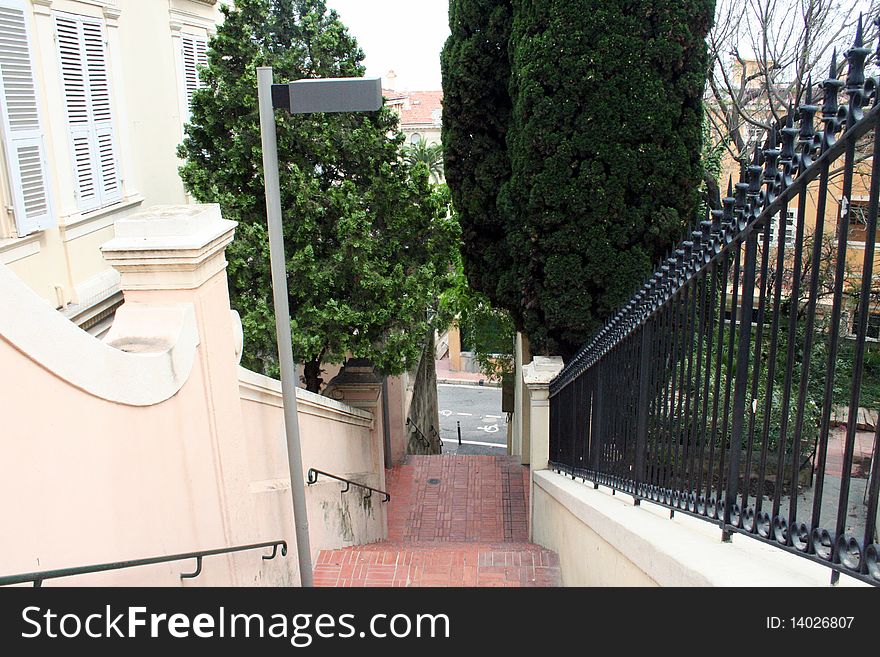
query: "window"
22, 132
790, 227
873, 328
858, 221
415, 138
755, 134
195, 54
86, 87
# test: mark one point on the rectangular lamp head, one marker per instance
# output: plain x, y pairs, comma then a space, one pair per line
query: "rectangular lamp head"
328, 95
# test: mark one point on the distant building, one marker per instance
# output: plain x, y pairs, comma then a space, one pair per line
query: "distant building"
749, 87
420, 112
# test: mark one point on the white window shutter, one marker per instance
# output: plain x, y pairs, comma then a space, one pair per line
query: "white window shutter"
25, 151
73, 78
111, 189
195, 54
85, 77
102, 116
85, 169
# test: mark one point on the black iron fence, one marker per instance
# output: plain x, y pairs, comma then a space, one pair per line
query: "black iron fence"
739, 384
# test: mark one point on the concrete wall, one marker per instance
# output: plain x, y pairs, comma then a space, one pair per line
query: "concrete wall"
153, 441
336, 438
604, 540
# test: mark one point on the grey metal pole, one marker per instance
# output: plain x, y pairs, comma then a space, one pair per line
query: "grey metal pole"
289, 379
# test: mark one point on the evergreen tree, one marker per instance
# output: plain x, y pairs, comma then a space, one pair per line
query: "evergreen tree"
368, 242
476, 113
603, 141
431, 155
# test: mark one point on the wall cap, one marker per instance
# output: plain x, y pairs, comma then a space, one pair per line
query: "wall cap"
542, 370
170, 246
159, 343
263, 389
680, 551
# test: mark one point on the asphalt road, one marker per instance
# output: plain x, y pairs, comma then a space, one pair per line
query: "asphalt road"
478, 409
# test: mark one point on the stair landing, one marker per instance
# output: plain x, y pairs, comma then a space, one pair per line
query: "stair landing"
453, 520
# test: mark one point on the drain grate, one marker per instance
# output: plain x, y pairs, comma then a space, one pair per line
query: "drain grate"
433, 482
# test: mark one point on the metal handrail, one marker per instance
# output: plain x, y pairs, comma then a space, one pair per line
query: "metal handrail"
39, 576
313, 478
427, 442
437, 437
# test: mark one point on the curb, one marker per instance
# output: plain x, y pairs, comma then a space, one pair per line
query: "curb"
482, 383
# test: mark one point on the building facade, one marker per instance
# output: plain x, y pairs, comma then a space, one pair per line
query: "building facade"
94, 95
754, 136
419, 112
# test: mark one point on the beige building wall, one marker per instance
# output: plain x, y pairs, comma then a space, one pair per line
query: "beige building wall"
63, 263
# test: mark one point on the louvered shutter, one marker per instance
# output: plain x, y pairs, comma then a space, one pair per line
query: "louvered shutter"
195, 54
85, 80
25, 151
102, 117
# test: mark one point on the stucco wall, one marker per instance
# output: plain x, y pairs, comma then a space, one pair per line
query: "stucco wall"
335, 438
161, 444
605, 540
585, 558
96, 479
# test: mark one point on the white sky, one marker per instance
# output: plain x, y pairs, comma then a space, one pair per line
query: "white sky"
405, 36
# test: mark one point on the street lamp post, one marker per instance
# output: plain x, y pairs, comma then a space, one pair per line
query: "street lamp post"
300, 97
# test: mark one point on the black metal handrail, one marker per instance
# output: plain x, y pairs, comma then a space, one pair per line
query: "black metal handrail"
421, 435
38, 577
436, 435
701, 393
313, 478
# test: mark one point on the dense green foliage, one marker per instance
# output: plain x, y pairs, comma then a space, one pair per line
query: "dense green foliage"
476, 114
588, 169
431, 155
368, 240
484, 330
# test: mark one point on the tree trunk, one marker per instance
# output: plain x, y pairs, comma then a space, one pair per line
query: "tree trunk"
713, 193
312, 375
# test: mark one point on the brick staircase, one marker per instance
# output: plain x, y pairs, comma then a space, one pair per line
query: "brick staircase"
452, 521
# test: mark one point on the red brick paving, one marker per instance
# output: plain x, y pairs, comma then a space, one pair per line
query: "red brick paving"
467, 529
863, 447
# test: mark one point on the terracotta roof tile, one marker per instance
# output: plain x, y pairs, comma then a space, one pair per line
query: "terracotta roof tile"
418, 107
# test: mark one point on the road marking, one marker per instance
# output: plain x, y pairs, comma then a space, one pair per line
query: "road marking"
491, 428
445, 413
494, 417
467, 414
472, 386
475, 442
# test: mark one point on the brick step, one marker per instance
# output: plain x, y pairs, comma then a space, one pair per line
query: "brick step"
431, 564
453, 520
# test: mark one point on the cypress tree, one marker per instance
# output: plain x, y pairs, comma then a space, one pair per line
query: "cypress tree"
603, 143
476, 114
